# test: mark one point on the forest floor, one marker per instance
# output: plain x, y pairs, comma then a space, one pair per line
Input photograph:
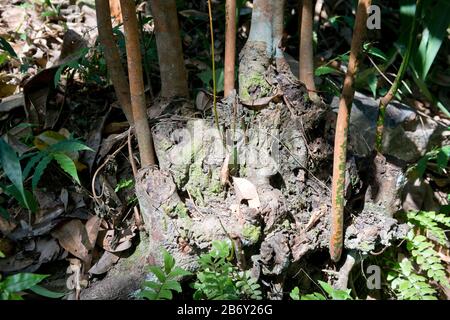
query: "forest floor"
276, 202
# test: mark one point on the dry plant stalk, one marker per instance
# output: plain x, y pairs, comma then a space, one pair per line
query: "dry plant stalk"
112, 57
170, 51
306, 58
134, 59
230, 46
340, 142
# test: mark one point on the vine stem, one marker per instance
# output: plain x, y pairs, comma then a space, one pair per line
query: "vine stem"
340, 142
384, 101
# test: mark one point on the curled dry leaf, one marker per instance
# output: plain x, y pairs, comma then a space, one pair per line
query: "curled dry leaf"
245, 190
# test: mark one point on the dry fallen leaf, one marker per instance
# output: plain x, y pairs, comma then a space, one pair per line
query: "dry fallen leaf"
245, 190
73, 237
105, 263
92, 227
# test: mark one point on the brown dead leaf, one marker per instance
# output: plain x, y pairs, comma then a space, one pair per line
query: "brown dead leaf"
73, 237
105, 263
92, 228
245, 190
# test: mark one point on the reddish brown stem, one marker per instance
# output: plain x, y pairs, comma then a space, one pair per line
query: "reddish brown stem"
340, 143
170, 51
230, 46
134, 60
112, 57
306, 58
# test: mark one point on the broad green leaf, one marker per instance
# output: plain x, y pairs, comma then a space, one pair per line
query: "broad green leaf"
47, 293
323, 70
152, 285
372, 81
28, 202
327, 287
32, 163
150, 295
22, 281
11, 165
314, 296
4, 45
436, 24
169, 262
67, 164
172, 285
2, 255
165, 294
375, 52
178, 272
158, 273
295, 294
40, 168
70, 145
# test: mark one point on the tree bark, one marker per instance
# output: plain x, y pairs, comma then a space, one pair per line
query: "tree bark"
112, 57
306, 58
230, 46
170, 52
340, 142
138, 106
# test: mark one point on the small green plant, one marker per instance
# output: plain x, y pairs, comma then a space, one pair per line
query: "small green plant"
63, 152
331, 293
219, 279
124, 184
167, 280
414, 277
214, 279
11, 287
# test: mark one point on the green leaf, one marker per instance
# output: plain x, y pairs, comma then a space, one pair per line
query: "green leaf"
169, 262
40, 168
375, 52
2, 255
28, 202
67, 165
165, 294
158, 273
372, 81
172, 285
178, 272
295, 294
324, 70
22, 281
4, 45
46, 293
436, 24
314, 296
11, 165
32, 163
327, 287
69, 145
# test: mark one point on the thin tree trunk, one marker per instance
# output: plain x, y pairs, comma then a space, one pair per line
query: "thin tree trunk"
170, 51
278, 28
134, 60
230, 46
306, 58
112, 57
340, 143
